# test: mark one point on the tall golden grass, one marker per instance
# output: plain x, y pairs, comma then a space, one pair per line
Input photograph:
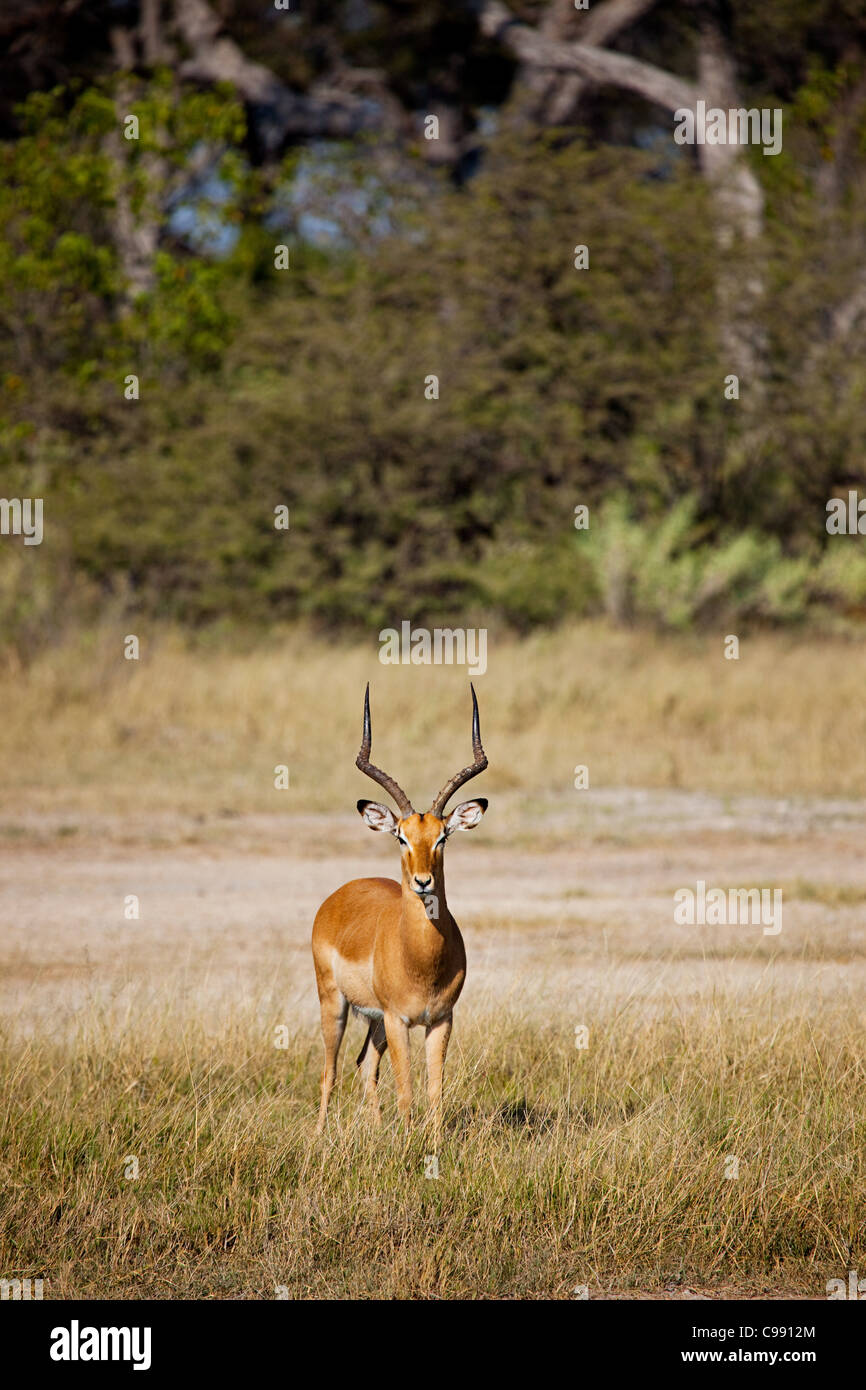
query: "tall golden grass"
716, 1148
191, 725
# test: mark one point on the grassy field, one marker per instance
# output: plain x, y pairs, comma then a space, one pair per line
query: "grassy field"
156, 1142
605, 1167
201, 729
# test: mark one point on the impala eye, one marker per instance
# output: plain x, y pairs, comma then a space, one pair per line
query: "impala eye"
401, 841
439, 842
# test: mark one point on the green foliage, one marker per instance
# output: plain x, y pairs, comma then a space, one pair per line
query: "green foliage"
666, 576
557, 386
57, 269
62, 292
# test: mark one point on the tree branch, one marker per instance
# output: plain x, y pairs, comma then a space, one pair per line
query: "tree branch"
560, 92
654, 84
280, 113
603, 22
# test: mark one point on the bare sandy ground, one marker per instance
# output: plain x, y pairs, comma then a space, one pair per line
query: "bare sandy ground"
558, 903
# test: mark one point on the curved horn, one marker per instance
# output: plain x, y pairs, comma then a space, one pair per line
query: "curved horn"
463, 776
363, 762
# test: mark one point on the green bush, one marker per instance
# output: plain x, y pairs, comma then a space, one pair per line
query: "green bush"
557, 387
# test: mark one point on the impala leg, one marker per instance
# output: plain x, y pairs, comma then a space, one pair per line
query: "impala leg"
436, 1045
335, 1010
374, 1048
397, 1035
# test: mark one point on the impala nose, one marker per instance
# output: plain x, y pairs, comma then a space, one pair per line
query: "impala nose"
422, 884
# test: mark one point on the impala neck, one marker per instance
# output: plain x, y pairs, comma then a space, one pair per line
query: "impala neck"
426, 917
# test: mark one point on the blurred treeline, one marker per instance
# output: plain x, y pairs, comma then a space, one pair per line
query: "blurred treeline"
306, 387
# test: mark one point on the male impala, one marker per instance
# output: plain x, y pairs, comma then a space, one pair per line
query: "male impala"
393, 951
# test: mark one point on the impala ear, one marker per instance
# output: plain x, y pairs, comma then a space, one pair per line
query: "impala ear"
377, 816
466, 815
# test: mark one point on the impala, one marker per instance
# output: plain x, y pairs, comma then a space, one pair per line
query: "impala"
392, 951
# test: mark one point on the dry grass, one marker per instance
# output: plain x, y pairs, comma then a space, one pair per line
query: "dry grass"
192, 729
561, 1167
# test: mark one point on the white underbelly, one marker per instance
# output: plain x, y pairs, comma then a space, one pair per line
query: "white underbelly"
367, 1013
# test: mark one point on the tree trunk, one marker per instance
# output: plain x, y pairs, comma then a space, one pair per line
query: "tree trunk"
737, 197
739, 216
135, 232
